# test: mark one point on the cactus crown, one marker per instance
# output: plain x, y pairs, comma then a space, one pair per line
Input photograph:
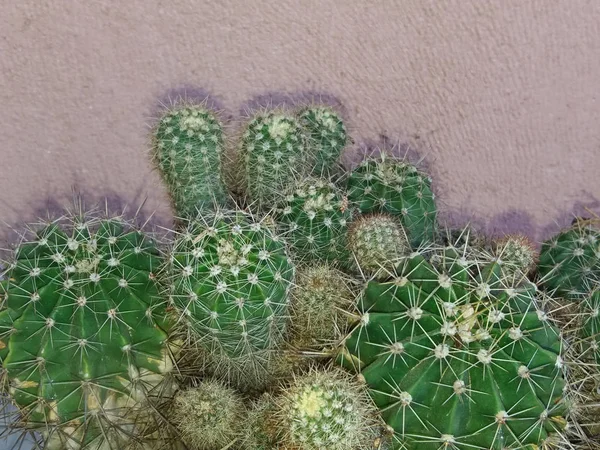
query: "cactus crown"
81, 342
516, 253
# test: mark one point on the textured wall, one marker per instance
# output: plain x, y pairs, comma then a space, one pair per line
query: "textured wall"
500, 98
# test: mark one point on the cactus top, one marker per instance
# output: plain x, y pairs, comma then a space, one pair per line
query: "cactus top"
457, 358
79, 336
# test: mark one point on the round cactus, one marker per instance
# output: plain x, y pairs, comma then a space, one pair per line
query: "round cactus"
327, 137
314, 220
569, 263
377, 244
81, 342
320, 303
398, 188
325, 410
516, 253
188, 147
258, 434
209, 416
455, 356
230, 280
274, 155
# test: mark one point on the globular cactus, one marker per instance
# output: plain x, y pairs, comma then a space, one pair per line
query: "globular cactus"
83, 335
395, 187
324, 409
314, 219
377, 243
257, 431
327, 137
188, 148
570, 262
516, 253
230, 279
273, 155
457, 356
322, 300
209, 416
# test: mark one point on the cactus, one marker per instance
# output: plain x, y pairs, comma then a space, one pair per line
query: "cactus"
230, 280
273, 155
570, 262
314, 220
209, 416
83, 340
320, 303
188, 147
398, 188
327, 137
258, 434
377, 244
457, 356
516, 253
324, 410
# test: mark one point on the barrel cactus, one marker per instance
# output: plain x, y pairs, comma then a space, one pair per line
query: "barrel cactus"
457, 356
314, 220
273, 155
395, 187
83, 336
230, 279
327, 137
188, 148
570, 261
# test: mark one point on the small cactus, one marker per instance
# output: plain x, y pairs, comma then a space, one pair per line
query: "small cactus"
377, 244
188, 148
516, 253
230, 279
209, 416
314, 220
386, 185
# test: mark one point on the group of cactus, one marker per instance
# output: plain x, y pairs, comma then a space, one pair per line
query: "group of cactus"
299, 306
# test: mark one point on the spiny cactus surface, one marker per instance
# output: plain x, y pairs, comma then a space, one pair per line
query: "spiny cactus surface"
189, 148
398, 188
81, 341
456, 357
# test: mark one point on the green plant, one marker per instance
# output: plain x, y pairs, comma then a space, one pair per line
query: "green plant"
516, 253
83, 336
230, 279
395, 187
377, 243
314, 219
457, 356
209, 416
273, 155
188, 148
327, 137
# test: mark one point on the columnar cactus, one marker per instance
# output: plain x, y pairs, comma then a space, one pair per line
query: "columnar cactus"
570, 262
398, 188
377, 243
274, 154
314, 220
327, 137
325, 410
83, 341
456, 356
209, 416
230, 282
189, 147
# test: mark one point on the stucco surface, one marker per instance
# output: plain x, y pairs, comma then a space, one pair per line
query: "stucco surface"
500, 98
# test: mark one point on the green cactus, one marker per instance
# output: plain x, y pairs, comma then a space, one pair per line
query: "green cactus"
188, 148
569, 263
327, 137
398, 188
209, 416
314, 219
274, 155
321, 301
325, 410
230, 282
83, 340
257, 428
456, 356
377, 244
516, 253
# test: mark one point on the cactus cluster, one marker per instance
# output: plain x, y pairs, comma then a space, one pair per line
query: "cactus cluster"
298, 306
